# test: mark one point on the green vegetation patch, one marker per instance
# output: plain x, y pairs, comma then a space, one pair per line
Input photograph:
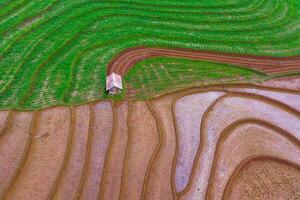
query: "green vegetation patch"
56, 52
155, 76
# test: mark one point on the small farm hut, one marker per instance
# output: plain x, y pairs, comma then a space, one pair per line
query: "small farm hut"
114, 84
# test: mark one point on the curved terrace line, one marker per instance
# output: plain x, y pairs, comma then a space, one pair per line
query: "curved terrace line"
266, 64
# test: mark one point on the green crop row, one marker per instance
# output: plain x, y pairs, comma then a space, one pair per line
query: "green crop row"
56, 52
156, 76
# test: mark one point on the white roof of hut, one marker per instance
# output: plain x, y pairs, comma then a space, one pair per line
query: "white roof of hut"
114, 80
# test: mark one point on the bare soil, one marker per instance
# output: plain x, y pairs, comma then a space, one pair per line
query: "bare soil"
222, 113
189, 111
161, 184
201, 143
73, 172
102, 126
115, 154
45, 156
3, 120
143, 140
13, 144
286, 82
266, 178
245, 141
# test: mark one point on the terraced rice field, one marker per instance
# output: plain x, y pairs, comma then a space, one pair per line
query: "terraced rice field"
157, 76
210, 108
56, 52
169, 147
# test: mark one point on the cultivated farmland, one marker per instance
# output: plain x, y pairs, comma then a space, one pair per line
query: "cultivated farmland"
209, 110
56, 52
153, 149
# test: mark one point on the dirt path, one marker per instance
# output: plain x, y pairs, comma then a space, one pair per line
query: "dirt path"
269, 65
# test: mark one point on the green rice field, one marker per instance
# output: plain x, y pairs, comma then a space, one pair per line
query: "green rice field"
155, 76
56, 52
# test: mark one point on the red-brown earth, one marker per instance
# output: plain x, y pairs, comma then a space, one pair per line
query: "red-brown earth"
219, 142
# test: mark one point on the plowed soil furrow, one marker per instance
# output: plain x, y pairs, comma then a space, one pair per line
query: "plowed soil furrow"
269, 178
114, 159
102, 126
248, 140
12, 148
270, 65
71, 176
45, 157
142, 141
189, 110
160, 184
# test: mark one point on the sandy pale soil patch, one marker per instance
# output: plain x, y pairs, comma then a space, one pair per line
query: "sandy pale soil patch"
245, 141
102, 129
112, 172
13, 147
189, 110
73, 172
45, 157
143, 139
266, 179
160, 184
